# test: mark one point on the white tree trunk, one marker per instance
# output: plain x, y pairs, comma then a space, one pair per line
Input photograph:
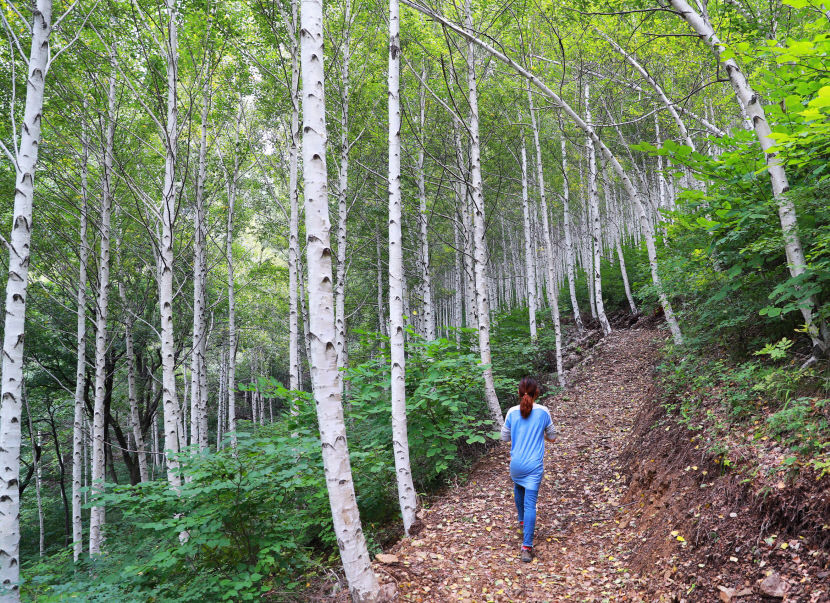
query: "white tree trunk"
86, 447
342, 201
595, 224
37, 462
423, 237
304, 316
232, 335
530, 272
222, 400
661, 182
480, 240
198, 411
381, 318
157, 445
38, 482
294, 213
400, 438
325, 377
552, 285
18, 243
97, 516
166, 255
458, 296
470, 300
569, 246
750, 102
80, 365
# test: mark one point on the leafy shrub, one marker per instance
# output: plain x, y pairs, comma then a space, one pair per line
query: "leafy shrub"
239, 540
446, 412
802, 425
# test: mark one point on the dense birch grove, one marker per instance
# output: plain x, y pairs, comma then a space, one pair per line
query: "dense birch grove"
334, 236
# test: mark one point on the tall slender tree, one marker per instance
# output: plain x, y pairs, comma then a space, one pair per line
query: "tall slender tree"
400, 437
323, 359
23, 156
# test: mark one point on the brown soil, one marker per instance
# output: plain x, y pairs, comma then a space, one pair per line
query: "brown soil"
628, 511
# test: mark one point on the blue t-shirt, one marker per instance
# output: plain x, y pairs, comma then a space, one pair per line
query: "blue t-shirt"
527, 449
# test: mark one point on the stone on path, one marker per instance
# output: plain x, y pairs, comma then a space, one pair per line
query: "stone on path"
774, 586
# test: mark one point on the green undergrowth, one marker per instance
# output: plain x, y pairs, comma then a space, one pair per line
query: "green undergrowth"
255, 523
515, 356
766, 404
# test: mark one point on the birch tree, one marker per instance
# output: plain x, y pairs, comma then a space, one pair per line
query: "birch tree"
553, 299
617, 236
232, 176
636, 200
165, 255
23, 156
97, 514
400, 438
198, 397
480, 240
342, 195
323, 359
423, 235
132, 394
595, 223
750, 102
530, 272
570, 259
80, 362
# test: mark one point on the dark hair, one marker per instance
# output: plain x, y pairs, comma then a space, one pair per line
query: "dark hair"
528, 390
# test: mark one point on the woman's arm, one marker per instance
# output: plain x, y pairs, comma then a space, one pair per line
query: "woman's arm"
550, 433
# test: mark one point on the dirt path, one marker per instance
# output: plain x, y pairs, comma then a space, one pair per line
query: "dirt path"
469, 546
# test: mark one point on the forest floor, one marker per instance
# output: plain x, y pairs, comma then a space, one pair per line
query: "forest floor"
604, 531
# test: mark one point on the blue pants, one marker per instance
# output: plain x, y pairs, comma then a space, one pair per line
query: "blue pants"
526, 506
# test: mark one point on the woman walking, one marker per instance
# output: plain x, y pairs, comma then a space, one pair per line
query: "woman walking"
527, 426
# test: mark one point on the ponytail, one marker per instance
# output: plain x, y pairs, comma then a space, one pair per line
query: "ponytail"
526, 406
528, 390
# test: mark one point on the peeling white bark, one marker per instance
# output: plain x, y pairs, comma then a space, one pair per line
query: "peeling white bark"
13, 332
530, 272
80, 364
480, 240
400, 438
325, 377
594, 220
97, 515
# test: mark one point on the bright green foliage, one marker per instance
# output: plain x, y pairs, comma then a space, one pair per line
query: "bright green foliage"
726, 255
259, 519
446, 413
238, 543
